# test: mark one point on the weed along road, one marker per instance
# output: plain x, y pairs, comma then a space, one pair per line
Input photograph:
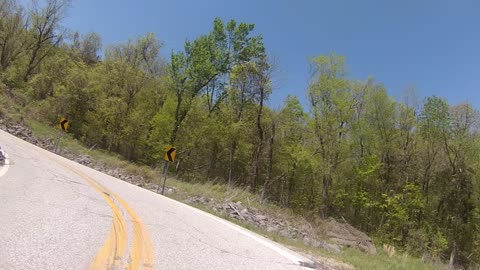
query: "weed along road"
57, 214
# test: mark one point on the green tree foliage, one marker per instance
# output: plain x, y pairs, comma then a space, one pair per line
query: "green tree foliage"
11, 32
44, 32
405, 172
86, 47
206, 61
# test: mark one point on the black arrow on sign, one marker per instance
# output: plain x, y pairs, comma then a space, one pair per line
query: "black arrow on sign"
65, 121
169, 152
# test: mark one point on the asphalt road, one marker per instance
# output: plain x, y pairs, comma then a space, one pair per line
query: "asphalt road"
57, 214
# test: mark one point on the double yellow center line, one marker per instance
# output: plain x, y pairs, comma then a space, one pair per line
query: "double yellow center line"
112, 254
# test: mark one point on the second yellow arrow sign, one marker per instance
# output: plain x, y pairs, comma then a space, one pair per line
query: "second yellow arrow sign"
170, 154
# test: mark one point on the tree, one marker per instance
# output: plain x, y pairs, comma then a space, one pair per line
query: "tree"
87, 47
45, 32
12, 32
142, 53
241, 97
333, 105
433, 124
207, 59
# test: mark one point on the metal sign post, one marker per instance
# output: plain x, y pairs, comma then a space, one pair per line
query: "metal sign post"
63, 126
166, 164
57, 141
169, 157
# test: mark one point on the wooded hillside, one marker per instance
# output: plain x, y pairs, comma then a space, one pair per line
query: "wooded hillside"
403, 170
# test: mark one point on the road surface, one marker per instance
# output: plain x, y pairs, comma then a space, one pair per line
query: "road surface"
57, 214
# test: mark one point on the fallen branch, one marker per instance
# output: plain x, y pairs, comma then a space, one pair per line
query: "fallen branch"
236, 211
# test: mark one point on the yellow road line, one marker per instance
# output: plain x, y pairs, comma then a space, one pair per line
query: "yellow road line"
141, 253
146, 244
111, 253
113, 250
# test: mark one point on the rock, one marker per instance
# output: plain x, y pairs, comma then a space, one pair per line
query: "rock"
271, 229
331, 264
327, 246
286, 233
346, 235
339, 234
259, 218
83, 159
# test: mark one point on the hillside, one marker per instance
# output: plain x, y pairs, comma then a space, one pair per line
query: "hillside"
332, 245
404, 173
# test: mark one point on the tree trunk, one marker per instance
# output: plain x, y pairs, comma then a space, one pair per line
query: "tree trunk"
325, 209
173, 137
30, 65
258, 152
256, 170
178, 119
452, 257
233, 147
290, 190
213, 160
268, 180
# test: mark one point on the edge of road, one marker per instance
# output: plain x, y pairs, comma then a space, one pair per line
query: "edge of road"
285, 252
5, 166
114, 248
254, 236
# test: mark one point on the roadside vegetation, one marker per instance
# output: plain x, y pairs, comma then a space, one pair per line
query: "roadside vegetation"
404, 171
184, 191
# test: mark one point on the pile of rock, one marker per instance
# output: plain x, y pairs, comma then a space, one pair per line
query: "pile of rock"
124, 175
346, 235
336, 234
82, 158
25, 134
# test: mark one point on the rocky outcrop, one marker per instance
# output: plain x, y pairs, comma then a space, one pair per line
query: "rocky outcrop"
21, 131
238, 210
251, 215
336, 234
346, 235
25, 134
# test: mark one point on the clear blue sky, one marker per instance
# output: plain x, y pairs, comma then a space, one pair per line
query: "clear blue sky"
431, 45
